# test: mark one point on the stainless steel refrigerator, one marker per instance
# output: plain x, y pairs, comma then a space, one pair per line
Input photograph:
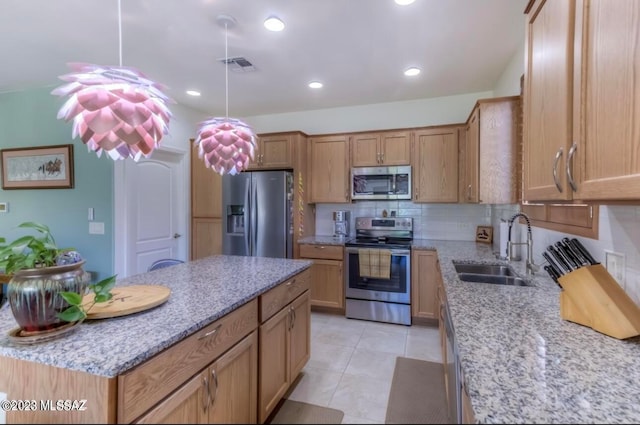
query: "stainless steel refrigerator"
258, 208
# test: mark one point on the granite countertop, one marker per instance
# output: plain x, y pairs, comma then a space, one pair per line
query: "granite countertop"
323, 240
522, 363
202, 291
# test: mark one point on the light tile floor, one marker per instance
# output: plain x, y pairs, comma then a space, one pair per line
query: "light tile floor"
352, 363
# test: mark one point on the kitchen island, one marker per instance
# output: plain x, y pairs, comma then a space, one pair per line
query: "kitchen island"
94, 357
521, 362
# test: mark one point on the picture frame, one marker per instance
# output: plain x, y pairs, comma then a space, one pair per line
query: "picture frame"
484, 234
38, 167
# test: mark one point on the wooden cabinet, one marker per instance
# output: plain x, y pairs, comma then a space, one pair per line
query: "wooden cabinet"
581, 137
206, 209
285, 344
274, 151
224, 392
327, 280
490, 152
435, 164
328, 163
468, 416
425, 280
380, 148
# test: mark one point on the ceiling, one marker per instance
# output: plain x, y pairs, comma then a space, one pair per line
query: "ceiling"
357, 48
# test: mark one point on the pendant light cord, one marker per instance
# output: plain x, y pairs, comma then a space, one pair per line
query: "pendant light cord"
120, 32
226, 72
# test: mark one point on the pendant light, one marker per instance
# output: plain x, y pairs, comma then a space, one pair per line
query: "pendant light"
226, 145
117, 110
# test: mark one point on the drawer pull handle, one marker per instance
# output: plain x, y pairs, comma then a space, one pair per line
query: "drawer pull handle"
208, 334
319, 246
290, 282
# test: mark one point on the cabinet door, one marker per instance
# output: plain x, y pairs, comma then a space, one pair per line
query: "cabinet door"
424, 284
606, 161
233, 384
274, 362
327, 284
365, 149
300, 338
328, 158
471, 150
277, 151
206, 189
547, 94
395, 148
187, 405
206, 237
435, 165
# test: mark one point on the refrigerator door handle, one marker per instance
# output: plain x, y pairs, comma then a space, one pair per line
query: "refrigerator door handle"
246, 212
254, 208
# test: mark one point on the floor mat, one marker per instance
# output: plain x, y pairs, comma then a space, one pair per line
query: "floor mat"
297, 412
417, 393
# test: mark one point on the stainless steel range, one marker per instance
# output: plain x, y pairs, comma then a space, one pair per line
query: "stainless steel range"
378, 270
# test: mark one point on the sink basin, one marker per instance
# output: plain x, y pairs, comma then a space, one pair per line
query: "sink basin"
496, 279
485, 269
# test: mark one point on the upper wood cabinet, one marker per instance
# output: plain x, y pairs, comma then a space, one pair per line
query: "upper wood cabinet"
328, 164
381, 148
582, 82
489, 174
435, 164
273, 151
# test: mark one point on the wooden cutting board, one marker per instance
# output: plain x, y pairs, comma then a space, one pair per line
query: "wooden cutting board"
128, 300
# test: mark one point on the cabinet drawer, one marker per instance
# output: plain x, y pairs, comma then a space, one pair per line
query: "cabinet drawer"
324, 252
150, 382
276, 298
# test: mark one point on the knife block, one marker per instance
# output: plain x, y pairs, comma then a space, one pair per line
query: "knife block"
592, 297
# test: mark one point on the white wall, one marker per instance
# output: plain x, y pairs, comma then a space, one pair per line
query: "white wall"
509, 82
380, 116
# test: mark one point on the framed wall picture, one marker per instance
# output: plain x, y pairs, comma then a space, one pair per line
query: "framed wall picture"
484, 234
39, 167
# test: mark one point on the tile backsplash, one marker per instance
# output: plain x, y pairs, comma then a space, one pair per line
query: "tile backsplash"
619, 228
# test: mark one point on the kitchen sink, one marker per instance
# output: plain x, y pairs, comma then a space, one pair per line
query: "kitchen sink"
499, 274
490, 269
497, 279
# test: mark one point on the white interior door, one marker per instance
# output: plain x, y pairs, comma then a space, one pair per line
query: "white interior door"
153, 224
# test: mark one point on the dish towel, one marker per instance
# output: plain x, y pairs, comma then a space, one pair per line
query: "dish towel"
375, 263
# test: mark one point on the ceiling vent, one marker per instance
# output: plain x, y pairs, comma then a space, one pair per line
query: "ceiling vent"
238, 64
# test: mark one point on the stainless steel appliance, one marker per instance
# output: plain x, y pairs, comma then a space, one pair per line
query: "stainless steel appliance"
341, 223
454, 387
384, 295
369, 183
258, 210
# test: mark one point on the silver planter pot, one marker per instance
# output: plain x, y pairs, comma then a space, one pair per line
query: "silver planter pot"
34, 295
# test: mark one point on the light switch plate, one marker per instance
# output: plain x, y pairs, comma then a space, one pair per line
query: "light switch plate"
96, 228
615, 264
4, 207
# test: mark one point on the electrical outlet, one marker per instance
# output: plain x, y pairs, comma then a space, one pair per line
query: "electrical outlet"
615, 264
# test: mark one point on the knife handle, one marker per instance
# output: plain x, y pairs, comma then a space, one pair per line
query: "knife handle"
554, 264
577, 255
584, 251
559, 259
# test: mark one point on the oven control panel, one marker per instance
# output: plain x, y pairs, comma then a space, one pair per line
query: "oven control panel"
384, 223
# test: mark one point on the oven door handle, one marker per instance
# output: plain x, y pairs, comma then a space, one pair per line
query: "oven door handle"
396, 252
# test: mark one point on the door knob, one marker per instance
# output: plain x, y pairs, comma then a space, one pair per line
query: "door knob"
176, 235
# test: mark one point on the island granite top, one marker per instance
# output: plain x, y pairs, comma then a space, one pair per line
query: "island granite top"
202, 291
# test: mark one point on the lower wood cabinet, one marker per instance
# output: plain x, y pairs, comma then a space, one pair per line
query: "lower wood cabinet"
285, 347
327, 282
224, 392
425, 279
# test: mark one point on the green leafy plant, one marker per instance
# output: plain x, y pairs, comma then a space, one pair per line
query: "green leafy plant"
77, 310
28, 252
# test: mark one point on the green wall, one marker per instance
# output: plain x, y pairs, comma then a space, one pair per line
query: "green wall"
28, 118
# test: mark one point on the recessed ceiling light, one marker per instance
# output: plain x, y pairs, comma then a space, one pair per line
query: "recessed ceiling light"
273, 23
193, 93
315, 84
404, 2
413, 71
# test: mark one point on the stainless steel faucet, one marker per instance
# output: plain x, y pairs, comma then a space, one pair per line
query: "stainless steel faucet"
531, 266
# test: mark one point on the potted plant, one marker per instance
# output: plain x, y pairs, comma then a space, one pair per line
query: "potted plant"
47, 283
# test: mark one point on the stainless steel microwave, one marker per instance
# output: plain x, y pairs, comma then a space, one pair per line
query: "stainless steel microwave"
370, 183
